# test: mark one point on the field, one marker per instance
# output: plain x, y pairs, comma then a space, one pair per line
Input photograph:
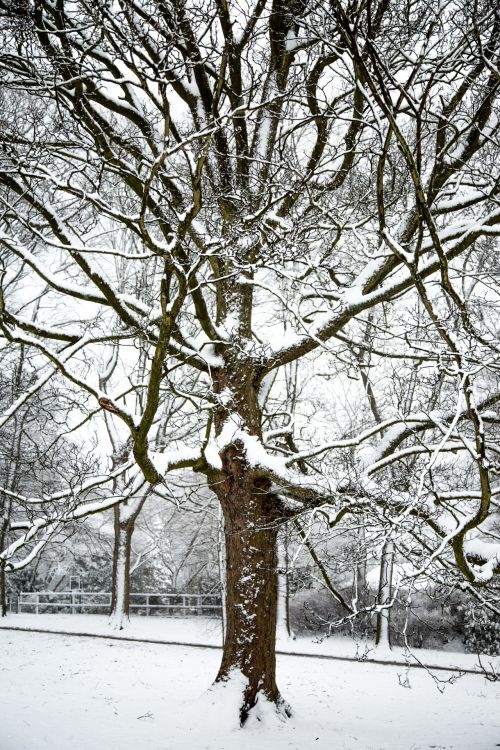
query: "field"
81, 693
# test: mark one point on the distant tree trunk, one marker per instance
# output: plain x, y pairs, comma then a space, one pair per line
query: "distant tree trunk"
361, 599
383, 636
284, 624
222, 569
359, 585
361, 571
384, 594
120, 592
3, 592
4, 527
6, 510
12, 478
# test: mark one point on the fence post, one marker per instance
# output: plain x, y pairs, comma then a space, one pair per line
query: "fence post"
147, 605
73, 602
37, 609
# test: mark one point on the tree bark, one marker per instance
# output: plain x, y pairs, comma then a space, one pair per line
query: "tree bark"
4, 531
251, 533
3, 592
383, 636
221, 560
283, 613
120, 592
4, 526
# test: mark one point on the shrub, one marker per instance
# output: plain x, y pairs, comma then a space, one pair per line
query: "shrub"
482, 630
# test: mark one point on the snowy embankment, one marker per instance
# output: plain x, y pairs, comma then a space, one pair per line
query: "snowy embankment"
67, 693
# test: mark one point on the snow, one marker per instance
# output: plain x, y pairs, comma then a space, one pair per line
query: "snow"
490, 552
63, 692
163, 462
234, 430
207, 632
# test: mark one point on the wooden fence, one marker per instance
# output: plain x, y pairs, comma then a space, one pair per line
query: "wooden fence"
89, 602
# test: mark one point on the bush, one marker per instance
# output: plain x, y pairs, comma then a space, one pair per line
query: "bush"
482, 630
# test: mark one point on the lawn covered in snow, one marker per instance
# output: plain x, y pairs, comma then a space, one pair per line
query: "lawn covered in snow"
199, 630
78, 693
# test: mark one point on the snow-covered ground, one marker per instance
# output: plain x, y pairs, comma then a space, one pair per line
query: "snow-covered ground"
67, 693
202, 631
198, 630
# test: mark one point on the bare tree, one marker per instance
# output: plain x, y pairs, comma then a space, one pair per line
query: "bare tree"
31, 461
167, 429
11, 448
305, 162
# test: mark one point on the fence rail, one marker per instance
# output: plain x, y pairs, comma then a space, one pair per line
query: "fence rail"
89, 602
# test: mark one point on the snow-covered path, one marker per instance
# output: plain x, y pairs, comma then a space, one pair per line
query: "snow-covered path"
67, 693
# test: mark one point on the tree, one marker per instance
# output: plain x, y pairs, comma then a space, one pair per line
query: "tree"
168, 428
33, 456
11, 447
285, 170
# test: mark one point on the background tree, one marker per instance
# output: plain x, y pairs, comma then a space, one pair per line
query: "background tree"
34, 455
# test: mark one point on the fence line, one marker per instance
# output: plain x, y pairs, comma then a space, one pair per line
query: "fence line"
78, 602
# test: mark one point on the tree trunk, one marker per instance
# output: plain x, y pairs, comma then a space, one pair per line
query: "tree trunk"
284, 625
221, 561
120, 592
4, 530
383, 636
3, 592
251, 535
361, 571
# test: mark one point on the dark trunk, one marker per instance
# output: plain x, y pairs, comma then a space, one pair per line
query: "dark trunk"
251, 533
251, 525
4, 526
3, 592
6, 510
